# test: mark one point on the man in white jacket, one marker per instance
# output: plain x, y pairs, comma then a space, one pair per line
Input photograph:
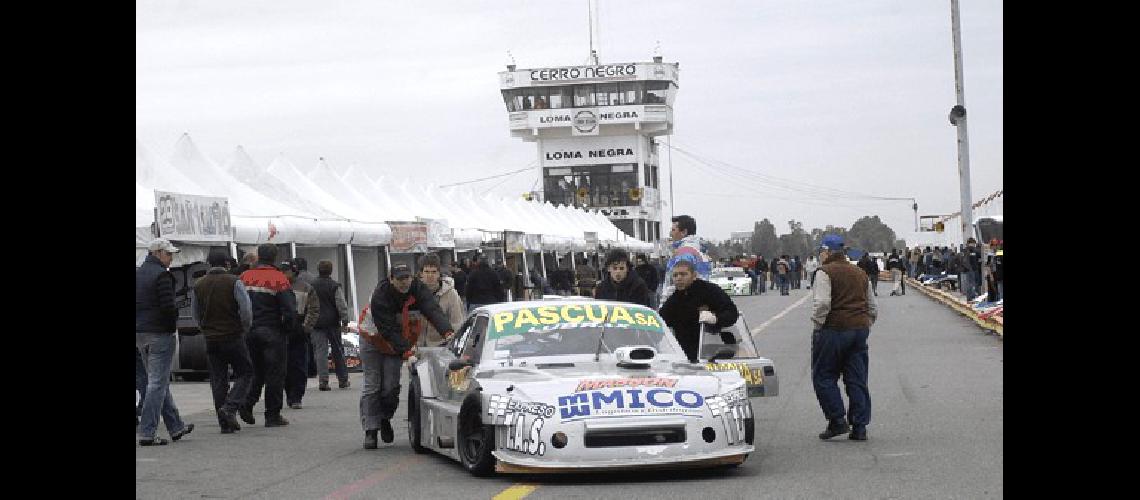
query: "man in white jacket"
444, 289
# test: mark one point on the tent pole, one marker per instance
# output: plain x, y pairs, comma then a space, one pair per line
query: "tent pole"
352, 279
233, 250
292, 250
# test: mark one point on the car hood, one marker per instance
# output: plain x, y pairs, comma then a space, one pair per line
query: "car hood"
547, 385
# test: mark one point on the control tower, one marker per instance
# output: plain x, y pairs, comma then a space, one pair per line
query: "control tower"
595, 127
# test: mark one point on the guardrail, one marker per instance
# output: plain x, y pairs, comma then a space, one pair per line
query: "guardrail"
987, 321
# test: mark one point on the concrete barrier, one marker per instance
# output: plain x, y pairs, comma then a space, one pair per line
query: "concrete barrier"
992, 323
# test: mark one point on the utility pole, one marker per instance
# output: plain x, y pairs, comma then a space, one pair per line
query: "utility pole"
958, 119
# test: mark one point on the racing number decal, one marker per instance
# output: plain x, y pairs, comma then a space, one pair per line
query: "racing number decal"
522, 421
519, 439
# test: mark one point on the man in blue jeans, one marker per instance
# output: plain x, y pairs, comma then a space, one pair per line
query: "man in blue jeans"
843, 310
156, 319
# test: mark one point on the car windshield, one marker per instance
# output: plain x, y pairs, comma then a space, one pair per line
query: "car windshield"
734, 272
573, 329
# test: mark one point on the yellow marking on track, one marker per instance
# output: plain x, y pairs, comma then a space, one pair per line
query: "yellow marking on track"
516, 492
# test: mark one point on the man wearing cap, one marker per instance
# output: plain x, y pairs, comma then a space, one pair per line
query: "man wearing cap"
220, 305
298, 351
156, 324
843, 310
397, 308
274, 308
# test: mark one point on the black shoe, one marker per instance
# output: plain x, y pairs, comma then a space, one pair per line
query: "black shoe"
386, 432
154, 441
228, 421
185, 430
370, 440
246, 413
858, 433
295, 406
324, 386
834, 428
345, 384
275, 421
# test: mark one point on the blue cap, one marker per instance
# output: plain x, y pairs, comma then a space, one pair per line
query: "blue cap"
831, 242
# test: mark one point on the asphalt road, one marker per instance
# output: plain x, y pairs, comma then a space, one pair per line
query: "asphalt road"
936, 383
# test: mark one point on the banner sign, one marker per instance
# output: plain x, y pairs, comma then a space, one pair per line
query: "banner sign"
438, 233
585, 121
569, 75
533, 242
515, 242
409, 237
588, 151
591, 238
186, 217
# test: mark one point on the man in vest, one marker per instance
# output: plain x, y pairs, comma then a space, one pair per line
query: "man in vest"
156, 319
398, 307
220, 305
331, 321
274, 309
843, 310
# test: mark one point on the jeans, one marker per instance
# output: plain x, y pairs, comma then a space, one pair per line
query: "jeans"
381, 393
297, 367
140, 381
220, 356
835, 353
324, 341
976, 282
874, 283
159, 349
267, 351
966, 285
760, 284
783, 278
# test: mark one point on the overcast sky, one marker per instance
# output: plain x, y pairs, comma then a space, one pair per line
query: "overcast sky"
838, 94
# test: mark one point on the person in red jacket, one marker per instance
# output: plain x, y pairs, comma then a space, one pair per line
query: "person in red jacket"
398, 307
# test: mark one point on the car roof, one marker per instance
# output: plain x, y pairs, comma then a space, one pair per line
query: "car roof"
514, 306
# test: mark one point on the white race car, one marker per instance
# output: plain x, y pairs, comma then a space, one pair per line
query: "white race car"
733, 280
576, 385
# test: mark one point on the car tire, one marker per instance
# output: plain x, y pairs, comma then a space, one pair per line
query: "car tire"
415, 429
475, 440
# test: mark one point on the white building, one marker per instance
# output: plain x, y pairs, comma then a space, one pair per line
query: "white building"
595, 127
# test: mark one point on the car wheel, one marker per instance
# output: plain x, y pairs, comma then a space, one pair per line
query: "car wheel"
415, 430
475, 440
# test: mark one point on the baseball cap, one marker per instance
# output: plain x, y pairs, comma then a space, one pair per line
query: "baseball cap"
831, 242
401, 271
162, 244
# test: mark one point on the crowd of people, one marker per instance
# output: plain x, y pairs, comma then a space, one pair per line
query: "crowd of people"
273, 325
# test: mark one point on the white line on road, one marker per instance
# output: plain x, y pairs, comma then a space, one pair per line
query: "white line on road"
756, 331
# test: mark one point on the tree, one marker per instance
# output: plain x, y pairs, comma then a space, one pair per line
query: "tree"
764, 241
796, 242
870, 234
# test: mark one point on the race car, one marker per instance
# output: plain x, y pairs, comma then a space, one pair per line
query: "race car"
733, 280
578, 385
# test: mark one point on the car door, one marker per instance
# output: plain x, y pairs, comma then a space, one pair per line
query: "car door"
465, 346
758, 371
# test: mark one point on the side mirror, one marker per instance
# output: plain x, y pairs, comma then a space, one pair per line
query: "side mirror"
459, 364
724, 352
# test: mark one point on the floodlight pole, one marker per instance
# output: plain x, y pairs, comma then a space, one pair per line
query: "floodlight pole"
958, 119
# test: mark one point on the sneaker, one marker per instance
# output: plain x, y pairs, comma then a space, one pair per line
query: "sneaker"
295, 406
275, 421
858, 433
386, 432
345, 384
246, 413
154, 441
834, 428
324, 386
370, 440
185, 430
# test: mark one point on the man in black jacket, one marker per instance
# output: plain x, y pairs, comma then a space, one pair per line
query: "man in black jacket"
156, 318
761, 274
397, 308
220, 306
274, 308
483, 286
648, 274
331, 322
620, 284
695, 301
